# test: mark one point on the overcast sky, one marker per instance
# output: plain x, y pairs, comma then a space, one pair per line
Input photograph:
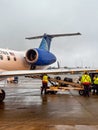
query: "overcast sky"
21, 18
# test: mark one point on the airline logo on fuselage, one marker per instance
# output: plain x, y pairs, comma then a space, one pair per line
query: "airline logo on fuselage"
7, 53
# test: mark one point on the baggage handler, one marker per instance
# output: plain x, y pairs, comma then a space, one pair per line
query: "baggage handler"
95, 85
44, 84
86, 82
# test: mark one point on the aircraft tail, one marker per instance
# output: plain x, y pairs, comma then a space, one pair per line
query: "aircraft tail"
46, 39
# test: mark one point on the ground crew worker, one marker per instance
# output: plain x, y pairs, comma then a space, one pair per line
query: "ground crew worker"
95, 83
44, 83
86, 81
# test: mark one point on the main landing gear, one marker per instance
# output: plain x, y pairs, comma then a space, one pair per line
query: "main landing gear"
2, 95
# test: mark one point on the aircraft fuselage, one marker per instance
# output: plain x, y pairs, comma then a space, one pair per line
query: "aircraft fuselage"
17, 60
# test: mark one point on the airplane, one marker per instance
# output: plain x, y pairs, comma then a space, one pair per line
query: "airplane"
30, 62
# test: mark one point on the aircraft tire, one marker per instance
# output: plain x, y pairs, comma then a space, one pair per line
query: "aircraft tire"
81, 92
2, 95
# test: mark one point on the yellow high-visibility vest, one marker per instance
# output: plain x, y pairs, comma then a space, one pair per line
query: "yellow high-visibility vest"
85, 79
45, 78
95, 80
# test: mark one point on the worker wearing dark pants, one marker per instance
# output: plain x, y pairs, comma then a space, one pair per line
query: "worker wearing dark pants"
43, 88
86, 81
44, 84
86, 89
95, 89
95, 85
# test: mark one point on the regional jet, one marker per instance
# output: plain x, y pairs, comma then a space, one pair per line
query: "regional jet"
30, 62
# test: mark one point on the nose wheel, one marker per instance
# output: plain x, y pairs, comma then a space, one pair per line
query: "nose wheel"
2, 95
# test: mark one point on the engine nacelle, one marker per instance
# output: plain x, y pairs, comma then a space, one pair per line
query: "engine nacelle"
31, 56
39, 57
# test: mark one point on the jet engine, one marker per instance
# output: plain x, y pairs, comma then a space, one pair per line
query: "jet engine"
39, 57
31, 56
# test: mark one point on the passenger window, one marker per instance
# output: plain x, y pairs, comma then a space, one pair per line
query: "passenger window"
14, 58
1, 57
8, 57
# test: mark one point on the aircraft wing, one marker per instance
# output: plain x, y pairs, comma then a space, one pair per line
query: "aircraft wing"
50, 71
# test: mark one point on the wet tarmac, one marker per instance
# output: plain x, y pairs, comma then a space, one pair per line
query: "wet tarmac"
24, 108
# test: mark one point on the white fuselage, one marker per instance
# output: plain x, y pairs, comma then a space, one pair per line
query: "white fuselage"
14, 60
